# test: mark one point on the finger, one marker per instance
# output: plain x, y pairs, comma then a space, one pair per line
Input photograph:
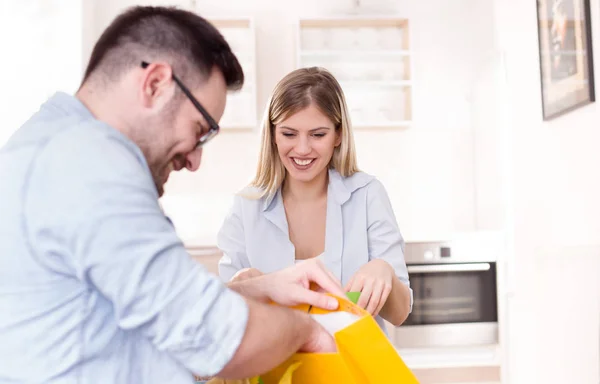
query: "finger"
316, 299
384, 296
348, 287
375, 298
320, 276
254, 272
322, 265
365, 294
357, 284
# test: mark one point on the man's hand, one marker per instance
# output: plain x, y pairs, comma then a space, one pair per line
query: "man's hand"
245, 274
273, 334
319, 340
292, 286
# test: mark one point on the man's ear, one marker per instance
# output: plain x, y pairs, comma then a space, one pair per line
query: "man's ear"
157, 85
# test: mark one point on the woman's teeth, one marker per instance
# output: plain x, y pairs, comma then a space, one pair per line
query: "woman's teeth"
303, 162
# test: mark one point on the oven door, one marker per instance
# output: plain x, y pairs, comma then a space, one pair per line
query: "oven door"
453, 304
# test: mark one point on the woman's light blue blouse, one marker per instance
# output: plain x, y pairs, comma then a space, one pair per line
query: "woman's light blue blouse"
360, 227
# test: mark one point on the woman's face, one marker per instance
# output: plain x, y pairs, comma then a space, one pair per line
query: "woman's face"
305, 143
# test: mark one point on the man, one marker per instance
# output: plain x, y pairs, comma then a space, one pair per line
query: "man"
95, 286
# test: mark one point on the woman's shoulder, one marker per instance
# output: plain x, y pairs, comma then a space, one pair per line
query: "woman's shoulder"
360, 181
251, 193
252, 198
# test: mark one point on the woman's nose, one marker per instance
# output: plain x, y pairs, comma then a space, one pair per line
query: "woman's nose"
303, 146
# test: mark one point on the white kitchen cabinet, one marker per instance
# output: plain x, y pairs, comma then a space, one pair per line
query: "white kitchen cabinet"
370, 57
241, 110
208, 256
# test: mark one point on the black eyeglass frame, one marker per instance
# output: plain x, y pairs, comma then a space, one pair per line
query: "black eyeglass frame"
212, 124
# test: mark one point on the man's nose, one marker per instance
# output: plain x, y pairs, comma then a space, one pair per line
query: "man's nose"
193, 159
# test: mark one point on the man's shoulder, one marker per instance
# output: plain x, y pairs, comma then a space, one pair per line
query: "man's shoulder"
88, 146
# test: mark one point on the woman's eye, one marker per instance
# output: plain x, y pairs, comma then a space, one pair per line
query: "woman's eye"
319, 134
287, 134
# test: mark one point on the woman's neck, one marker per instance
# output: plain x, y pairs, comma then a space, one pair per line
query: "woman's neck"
301, 191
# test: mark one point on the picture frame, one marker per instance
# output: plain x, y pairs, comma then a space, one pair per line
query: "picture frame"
566, 56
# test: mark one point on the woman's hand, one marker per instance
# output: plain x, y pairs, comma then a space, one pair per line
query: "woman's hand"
374, 281
245, 274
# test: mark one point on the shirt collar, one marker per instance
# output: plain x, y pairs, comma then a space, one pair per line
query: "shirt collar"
68, 104
340, 188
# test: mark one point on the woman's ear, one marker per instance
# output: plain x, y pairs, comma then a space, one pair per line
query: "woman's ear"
338, 137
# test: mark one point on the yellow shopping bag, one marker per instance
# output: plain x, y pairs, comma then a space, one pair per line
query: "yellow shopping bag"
286, 378
364, 356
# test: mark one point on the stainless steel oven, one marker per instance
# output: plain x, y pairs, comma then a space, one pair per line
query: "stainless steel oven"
455, 295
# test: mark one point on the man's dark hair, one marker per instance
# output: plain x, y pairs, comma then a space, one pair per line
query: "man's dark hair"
184, 39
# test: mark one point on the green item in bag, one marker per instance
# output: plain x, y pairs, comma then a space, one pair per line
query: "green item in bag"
353, 296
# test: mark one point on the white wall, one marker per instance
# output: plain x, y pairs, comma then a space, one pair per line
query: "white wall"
428, 169
43, 42
554, 210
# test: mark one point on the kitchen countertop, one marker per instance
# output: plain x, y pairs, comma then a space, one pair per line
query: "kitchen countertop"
428, 358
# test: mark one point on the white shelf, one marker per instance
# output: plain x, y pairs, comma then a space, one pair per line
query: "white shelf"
375, 83
248, 126
371, 59
355, 52
382, 125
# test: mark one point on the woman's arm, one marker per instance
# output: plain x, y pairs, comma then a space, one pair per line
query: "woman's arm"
398, 304
386, 244
383, 281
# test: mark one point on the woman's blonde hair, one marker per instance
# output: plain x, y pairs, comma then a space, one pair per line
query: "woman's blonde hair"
295, 92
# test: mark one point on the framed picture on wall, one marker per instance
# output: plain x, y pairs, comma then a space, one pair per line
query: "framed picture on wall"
566, 59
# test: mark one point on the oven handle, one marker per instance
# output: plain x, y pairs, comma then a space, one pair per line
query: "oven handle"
469, 267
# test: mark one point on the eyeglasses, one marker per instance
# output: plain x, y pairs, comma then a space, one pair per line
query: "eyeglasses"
212, 124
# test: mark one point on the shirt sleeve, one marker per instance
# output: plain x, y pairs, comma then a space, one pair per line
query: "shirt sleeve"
384, 237
231, 242
102, 218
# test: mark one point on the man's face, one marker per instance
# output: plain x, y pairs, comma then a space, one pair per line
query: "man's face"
172, 125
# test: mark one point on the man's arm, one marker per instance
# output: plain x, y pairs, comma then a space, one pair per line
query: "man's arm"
292, 286
104, 218
273, 333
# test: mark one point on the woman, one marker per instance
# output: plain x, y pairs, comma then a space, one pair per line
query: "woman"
308, 199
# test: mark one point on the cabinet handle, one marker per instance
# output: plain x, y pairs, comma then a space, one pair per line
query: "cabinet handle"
469, 267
